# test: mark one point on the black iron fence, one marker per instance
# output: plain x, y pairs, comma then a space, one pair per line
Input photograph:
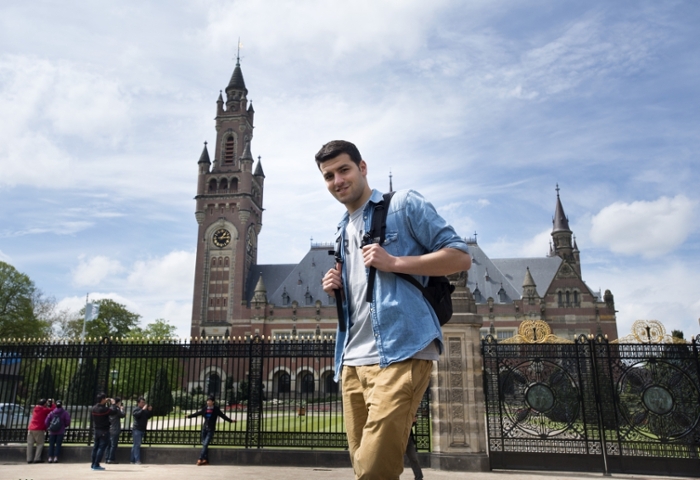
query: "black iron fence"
593, 406
279, 393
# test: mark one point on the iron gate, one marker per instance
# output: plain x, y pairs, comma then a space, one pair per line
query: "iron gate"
592, 405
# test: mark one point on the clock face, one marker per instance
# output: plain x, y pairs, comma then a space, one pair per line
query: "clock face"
221, 237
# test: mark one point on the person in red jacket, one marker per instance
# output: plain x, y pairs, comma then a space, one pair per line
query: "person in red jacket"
37, 430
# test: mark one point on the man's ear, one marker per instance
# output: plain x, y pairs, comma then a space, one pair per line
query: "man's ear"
363, 167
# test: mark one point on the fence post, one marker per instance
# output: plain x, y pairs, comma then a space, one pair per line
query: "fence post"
457, 402
255, 354
598, 400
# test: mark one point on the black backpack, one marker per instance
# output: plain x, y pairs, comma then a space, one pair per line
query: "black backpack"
439, 290
56, 423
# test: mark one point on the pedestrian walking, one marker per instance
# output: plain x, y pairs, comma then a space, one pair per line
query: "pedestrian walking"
56, 423
412, 453
388, 332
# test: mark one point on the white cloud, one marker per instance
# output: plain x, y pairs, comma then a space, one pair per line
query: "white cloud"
92, 271
661, 290
40, 102
537, 246
172, 274
647, 228
324, 32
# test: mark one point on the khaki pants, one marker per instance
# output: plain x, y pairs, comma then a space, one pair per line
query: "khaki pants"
38, 437
378, 406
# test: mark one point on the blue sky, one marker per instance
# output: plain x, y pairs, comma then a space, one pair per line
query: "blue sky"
482, 106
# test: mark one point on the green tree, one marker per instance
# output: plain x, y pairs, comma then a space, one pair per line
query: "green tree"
81, 390
159, 328
114, 320
45, 386
160, 395
677, 334
20, 304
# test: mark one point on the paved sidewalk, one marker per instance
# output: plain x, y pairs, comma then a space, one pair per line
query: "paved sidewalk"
81, 471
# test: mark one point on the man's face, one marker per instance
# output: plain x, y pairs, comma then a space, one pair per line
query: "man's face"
210, 403
346, 181
142, 403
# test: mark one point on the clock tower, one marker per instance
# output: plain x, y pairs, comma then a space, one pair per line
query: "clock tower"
229, 213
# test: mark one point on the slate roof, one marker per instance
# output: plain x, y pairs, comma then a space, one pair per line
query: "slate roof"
237, 81
490, 275
295, 280
505, 273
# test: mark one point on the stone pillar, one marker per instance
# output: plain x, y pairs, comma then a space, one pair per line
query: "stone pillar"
458, 410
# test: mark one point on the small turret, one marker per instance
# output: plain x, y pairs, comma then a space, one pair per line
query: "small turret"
204, 163
260, 295
235, 91
529, 286
258, 169
220, 104
251, 113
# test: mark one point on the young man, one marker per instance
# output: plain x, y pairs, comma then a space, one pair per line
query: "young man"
36, 432
141, 414
100, 422
210, 412
384, 349
115, 427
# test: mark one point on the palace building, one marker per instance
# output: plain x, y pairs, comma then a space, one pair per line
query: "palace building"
235, 296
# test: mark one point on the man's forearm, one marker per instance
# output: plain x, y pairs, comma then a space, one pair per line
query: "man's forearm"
442, 262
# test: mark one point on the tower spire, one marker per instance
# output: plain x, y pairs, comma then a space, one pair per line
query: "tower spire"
391, 185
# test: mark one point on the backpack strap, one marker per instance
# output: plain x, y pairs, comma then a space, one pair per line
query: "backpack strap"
338, 297
377, 235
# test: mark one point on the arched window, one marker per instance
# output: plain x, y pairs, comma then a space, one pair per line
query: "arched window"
225, 262
307, 383
284, 382
234, 185
576, 300
212, 185
214, 384
560, 299
213, 262
229, 149
568, 298
224, 184
221, 261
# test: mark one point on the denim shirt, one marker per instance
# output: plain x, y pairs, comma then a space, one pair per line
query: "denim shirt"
403, 321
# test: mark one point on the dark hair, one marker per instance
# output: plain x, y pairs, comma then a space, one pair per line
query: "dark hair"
42, 402
212, 398
117, 399
59, 403
336, 147
140, 399
101, 396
